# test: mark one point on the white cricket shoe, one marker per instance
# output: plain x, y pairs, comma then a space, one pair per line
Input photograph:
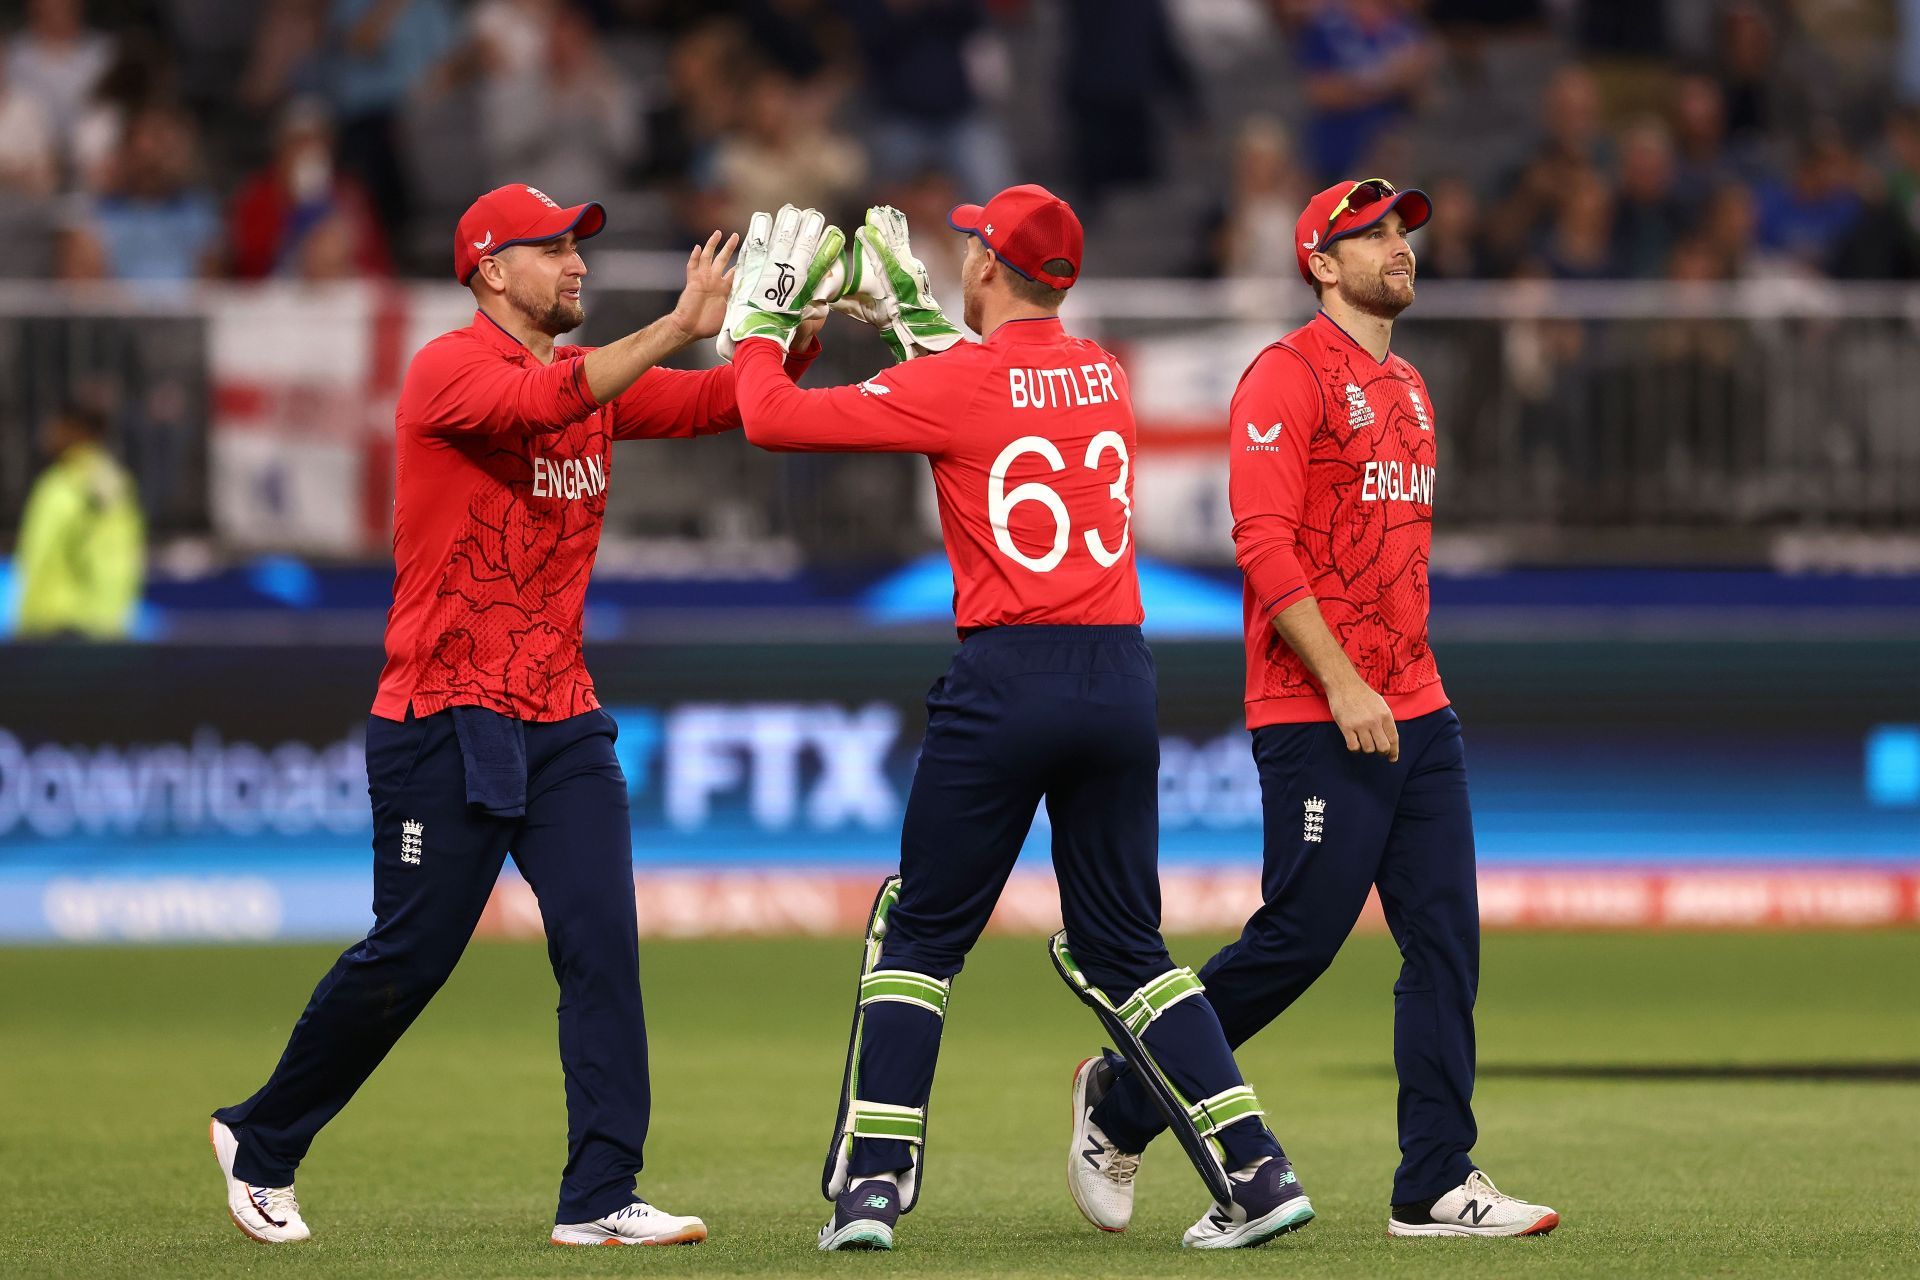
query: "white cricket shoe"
1099, 1174
638, 1223
270, 1215
1474, 1208
1268, 1202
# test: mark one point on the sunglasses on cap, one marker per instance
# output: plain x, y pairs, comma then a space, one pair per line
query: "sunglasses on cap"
1365, 192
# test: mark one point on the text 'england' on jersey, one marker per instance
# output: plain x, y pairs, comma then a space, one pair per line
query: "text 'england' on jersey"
1333, 465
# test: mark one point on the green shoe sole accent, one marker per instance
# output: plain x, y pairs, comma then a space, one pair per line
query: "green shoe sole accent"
860, 1235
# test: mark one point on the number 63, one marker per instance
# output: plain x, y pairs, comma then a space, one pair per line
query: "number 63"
1001, 502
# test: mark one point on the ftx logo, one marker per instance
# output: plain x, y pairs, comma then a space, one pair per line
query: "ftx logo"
781, 765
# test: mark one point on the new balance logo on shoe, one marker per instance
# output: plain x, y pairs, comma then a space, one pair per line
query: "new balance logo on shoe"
1092, 1154
1478, 1211
875, 1202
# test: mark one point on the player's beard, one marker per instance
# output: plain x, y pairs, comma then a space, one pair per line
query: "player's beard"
1377, 295
553, 315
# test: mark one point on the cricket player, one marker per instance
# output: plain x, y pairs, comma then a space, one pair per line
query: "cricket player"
1363, 777
486, 738
1051, 696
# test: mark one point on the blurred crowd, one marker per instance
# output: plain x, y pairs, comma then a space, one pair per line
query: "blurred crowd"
169, 140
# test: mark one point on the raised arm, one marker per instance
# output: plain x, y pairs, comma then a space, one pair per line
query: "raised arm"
683, 402
457, 387
910, 408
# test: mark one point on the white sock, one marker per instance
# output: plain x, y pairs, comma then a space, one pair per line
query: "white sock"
1246, 1172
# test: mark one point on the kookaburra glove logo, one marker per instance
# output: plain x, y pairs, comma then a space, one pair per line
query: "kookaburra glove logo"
782, 289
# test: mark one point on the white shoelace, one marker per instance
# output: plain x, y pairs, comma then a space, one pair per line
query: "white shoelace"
277, 1205
1121, 1167
1479, 1183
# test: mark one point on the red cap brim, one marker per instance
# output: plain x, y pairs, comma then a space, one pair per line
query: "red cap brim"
967, 217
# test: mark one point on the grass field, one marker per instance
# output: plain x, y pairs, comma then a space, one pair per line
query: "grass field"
446, 1164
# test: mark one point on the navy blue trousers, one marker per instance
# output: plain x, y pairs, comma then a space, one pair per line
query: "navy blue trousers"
1406, 828
1066, 715
435, 862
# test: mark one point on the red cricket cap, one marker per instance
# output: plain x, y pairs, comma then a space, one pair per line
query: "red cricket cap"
1367, 202
513, 215
1026, 227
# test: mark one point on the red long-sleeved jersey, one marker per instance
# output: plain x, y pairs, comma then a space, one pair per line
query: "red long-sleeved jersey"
1031, 437
1332, 469
502, 466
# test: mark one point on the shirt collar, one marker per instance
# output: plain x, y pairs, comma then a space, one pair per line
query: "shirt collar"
488, 330
1026, 329
1355, 342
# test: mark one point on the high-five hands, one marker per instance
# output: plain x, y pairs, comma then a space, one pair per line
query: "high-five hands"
784, 261
794, 266
886, 286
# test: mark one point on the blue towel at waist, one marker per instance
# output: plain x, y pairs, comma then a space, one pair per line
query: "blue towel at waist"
494, 749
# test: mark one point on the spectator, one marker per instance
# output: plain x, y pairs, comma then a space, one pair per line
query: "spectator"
800, 37
140, 76
283, 58
1367, 63
1903, 168
1122, 59
1882, 244
29, 154
58, 60
82, 546
783, 153
1727, 225
1449, 248
1252, 235
1579, 245
1698, 119
1648, 216
922, 111
299, 194
154, 223
381, 51
1806, 216
927, 200
557, 113
684, 129
1747, 75
1572, 146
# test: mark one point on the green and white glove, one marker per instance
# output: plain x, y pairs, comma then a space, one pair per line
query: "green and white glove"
886, 286
784, 261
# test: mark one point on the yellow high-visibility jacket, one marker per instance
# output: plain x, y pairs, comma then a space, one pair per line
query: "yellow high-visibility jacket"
81, 557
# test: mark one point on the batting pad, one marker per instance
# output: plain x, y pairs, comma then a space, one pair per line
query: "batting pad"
1192, 1124
858, 1117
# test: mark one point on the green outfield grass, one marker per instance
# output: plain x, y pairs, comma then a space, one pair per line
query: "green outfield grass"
446, 1164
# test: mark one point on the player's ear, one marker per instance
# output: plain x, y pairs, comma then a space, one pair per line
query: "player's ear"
1323, 267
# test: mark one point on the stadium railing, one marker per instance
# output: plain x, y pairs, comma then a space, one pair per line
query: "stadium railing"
1578, 421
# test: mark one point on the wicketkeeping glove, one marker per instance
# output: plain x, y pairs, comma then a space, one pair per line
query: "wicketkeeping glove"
886, 286
784, 262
